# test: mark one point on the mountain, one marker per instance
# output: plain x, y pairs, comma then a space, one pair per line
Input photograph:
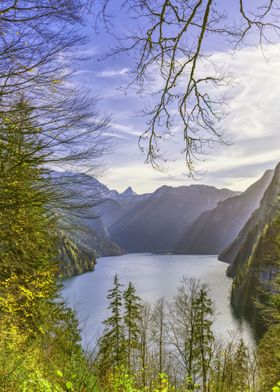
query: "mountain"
86, 209
156, 223
254, 280
110, 209
239, 251
255, 258
213, 230
80, 246
129, 192
82, 234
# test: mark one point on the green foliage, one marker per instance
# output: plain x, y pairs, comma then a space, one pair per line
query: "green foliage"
120, 380
38, 335
131, 318
276, 388
112, 342
26, 239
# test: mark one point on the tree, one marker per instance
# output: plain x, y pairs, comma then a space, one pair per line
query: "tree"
112, 350
37, 333
26, 242
159, 333
191, 334
144, 329
233, 367
40, 40
172, 41
203, 334
132, 309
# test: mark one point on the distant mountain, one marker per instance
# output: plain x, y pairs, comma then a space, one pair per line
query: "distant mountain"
129, 192
80, 245
83, 235
156, 223
113, 206
213, 230
240, 250
86, 209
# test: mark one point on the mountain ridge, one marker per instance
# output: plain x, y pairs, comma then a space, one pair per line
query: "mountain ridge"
214, 229
155, 223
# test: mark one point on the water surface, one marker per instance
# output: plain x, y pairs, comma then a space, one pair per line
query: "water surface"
154, 276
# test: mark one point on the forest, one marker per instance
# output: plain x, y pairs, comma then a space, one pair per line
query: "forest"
47, 122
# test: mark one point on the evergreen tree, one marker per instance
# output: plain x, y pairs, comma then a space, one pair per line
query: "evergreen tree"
132, 309
204, 337
39, 337
191, 333
112, 351
26, 242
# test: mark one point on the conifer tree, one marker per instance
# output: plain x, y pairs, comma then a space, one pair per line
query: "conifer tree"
132, 308
112, 342
191, 333
203, 334
25, 239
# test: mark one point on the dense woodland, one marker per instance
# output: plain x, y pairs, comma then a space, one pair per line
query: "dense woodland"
144, 347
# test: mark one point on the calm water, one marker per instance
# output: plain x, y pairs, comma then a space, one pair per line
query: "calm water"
154, 276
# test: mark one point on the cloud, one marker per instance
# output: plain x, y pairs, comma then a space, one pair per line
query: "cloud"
126, 129
252, 124
112, 73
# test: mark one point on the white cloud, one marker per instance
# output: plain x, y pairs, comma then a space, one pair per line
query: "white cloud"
112, 73
253, 124
126, 129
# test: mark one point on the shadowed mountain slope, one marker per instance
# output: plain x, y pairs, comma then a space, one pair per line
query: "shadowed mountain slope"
239, 251
157, 222
213, 230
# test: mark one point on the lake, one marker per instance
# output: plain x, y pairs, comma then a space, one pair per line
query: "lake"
154, 276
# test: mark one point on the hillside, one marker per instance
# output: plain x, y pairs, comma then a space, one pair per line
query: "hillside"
239, 251
157, 222
83, 234
213, 230
254, 279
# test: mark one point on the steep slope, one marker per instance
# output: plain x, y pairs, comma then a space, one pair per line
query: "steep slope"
254, 280
82, 235
81, 241
213, 230
157, 222
239, 251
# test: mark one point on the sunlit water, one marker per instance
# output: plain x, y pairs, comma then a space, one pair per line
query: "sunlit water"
154, 276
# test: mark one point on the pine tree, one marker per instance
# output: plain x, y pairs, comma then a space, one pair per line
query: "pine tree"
132, 308
112, 351
204, 337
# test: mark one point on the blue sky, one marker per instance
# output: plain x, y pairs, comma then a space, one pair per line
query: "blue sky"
252, 123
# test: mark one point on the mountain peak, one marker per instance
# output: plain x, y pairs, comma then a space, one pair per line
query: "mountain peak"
129, 192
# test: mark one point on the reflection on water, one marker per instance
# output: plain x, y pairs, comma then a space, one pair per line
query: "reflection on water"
154, 276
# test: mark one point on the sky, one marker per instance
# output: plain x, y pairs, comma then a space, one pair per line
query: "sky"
252, 125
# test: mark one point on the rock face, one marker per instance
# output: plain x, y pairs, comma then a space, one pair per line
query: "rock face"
80, 247
254, 256
155, 224
238, 252
254, 279
213, 230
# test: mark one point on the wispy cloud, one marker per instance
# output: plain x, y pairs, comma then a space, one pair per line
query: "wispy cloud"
112, 73
253, 125
126, 129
